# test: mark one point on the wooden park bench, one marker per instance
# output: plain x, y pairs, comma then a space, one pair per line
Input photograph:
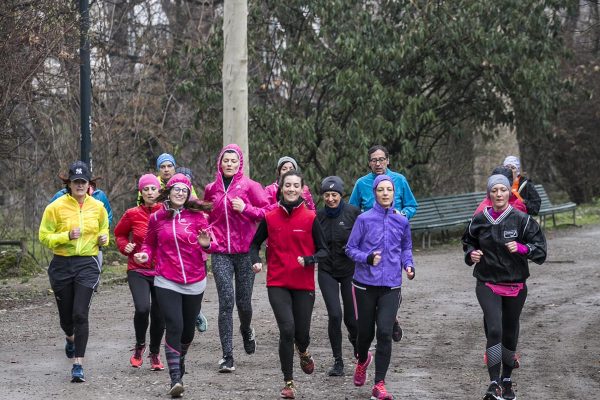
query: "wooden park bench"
443, 212
547, 208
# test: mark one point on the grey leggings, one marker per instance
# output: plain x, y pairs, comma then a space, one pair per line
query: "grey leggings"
225, 268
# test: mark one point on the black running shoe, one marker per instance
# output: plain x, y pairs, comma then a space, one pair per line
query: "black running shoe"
69, 348
508, 392
494, 392
337, 369
226, 364
249, 341
397, 331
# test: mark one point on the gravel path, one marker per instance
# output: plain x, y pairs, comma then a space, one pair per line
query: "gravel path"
439, 358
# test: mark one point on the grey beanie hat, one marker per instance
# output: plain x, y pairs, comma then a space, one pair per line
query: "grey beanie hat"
284, 160
332, 184
495, 180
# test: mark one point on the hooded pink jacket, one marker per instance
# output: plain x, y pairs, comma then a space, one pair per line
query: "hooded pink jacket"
233, 231
172, 244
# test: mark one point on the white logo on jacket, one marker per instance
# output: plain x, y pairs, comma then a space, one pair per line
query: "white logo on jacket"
510, 234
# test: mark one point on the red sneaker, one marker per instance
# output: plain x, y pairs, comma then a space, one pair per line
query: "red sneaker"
306, 362
380, 392
289, 390
155, 363
360, 373
136, 359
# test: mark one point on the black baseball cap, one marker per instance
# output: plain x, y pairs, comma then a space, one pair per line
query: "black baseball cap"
79, 170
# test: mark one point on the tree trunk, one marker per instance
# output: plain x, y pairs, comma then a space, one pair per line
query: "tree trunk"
235, 76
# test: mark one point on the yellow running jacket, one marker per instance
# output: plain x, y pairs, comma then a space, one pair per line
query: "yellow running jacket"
65, 214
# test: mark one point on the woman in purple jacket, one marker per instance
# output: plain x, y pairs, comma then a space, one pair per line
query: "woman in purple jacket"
176, 239
381, 246
239, 204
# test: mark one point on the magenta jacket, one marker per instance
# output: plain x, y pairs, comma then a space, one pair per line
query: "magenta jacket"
233, 231
172, 244
271, 192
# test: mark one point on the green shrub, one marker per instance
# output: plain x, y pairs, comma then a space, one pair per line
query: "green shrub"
13, 263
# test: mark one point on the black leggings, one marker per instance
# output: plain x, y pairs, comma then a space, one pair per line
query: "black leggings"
146, 310
331, 287
293, 312
376, 305
501, 315
73, 301
179, 312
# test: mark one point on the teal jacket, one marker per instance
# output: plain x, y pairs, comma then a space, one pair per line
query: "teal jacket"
404, 200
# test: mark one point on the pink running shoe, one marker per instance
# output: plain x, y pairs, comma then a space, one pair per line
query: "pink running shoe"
136, 359
360, 373
380, 392
155, 363
289, 390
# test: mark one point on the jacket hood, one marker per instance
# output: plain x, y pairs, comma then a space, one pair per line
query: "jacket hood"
378, 179
234, 147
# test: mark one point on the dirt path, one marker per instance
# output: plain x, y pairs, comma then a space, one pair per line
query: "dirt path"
439, 358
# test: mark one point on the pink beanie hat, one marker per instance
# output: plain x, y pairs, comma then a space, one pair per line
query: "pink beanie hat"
180, 178
148, 179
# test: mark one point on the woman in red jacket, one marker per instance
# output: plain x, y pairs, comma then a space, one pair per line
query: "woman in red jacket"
296, 244
130, 233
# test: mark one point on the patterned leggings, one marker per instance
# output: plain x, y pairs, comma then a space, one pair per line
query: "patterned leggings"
225, 268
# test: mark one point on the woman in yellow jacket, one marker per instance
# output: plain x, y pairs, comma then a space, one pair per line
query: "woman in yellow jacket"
73, 227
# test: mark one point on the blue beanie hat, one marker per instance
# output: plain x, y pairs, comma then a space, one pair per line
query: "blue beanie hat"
163, 158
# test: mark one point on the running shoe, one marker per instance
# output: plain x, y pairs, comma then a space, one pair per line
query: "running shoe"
155, 363
360, 372
289, 390
176, 389
69, 348
249, 341
136, 359
397, 331
226, 364
494, 392
306, 362
380, 392
201, 323
508, 393
337, 369
77, 373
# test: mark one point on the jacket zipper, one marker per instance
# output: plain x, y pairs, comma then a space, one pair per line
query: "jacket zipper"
81, 227
385, 216
178, 252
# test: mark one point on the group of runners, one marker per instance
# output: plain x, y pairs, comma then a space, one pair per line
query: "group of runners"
359, 249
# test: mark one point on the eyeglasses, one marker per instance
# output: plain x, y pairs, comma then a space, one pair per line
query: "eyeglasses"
178, 189
377, 160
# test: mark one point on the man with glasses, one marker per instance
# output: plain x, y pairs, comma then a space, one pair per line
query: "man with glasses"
404, 200
362, 194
